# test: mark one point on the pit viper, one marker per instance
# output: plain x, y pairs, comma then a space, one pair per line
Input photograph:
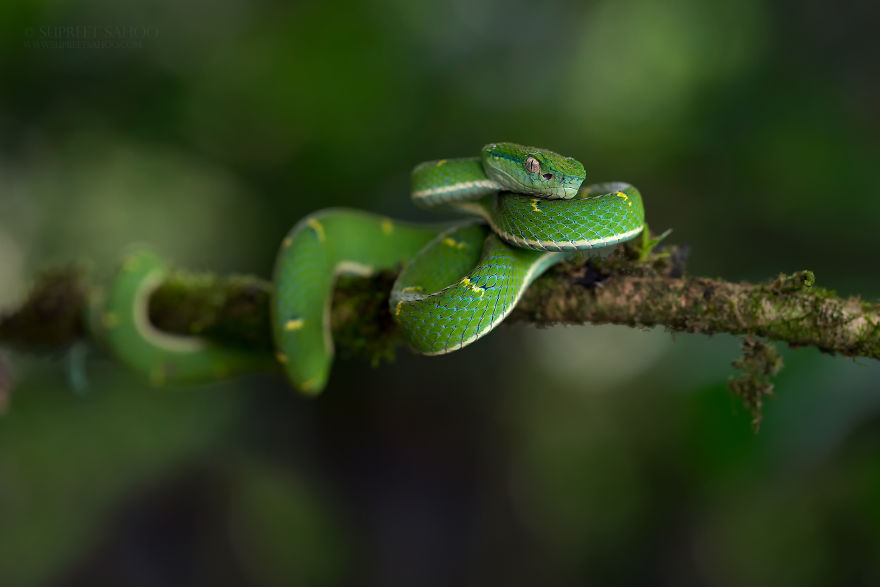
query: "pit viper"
527, 210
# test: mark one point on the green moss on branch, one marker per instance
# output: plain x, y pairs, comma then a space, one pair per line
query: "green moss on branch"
786, 309
629, 287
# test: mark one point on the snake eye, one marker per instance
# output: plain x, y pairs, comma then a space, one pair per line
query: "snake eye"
532, 165
548, 176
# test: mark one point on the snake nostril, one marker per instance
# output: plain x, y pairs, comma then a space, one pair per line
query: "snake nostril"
548, 176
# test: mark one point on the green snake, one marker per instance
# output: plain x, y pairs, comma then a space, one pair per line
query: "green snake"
528, 211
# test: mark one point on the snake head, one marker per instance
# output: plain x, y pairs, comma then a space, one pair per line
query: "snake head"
530, 170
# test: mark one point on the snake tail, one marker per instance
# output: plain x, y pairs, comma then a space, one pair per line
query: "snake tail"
119, 319
318, 249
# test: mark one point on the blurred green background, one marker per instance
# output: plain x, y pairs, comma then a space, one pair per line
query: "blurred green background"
598, 455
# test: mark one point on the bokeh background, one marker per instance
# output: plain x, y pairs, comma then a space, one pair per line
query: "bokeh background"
600, 455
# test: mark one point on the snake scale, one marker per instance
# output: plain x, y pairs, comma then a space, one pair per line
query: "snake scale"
527, 209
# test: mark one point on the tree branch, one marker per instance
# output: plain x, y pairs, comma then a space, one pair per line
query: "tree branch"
629, 287
788, 309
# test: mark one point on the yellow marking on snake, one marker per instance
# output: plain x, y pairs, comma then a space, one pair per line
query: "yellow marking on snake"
472, 286
110, 320
281, 358
441, 162
308, 385
535, 205
412, 288
451, 242
294, 324
387, 227
624, 196
397, 309
317, 227
286, 242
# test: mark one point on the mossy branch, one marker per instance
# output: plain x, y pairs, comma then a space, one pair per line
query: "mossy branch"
788, 309
635, 286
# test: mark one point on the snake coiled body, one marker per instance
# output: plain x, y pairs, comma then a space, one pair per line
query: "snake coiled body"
528, 211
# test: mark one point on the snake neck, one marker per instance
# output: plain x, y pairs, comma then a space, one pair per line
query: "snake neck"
450, 181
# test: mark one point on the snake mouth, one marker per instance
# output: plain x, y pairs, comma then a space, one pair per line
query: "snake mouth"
567, 188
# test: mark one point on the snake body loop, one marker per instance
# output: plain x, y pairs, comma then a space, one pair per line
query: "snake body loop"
528, 211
